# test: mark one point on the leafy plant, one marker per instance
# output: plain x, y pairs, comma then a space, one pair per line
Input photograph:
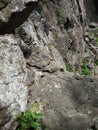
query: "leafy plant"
85, 68
29, 120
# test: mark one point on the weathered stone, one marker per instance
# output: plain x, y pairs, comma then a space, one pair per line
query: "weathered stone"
67, 103
13, 89
41, 47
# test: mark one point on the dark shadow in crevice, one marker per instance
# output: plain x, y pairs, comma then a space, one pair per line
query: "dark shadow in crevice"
26, 52
68, 24
93, 127
80, 11
91, 7
17, 19
4, 6
96, 6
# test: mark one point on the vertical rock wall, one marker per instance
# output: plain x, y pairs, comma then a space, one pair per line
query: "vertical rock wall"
13, 75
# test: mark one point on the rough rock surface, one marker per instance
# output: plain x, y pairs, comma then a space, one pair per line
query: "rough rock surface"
53, 35
66, 103
13, 89
70, 27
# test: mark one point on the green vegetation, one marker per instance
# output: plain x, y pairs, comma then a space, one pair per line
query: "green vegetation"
85, 68
59, 14
29, 120
67, 67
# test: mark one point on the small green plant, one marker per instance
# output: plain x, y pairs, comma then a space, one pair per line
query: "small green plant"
67, 67
59, 14
85, 68
29, 120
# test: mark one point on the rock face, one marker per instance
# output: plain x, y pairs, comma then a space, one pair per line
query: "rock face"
69, 25
13, 89
33, 59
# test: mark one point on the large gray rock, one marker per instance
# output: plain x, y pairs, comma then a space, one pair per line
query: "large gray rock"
67, 103
13, 89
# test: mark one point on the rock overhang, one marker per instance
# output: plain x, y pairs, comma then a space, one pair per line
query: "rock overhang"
13, 13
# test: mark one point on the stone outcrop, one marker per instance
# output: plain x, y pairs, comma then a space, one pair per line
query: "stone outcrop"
33, 59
